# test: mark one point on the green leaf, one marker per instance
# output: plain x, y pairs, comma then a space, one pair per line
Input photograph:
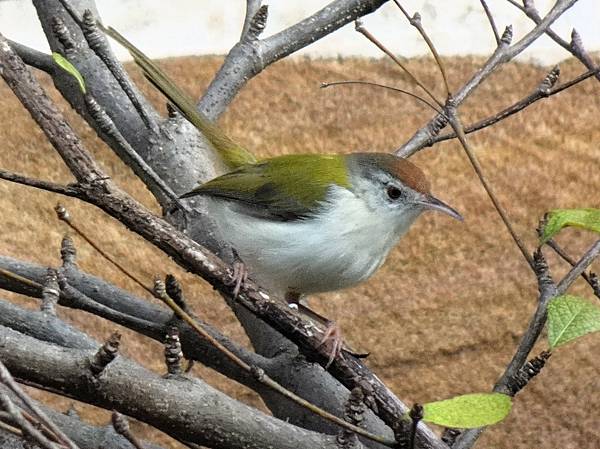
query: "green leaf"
559, 218
570, 317
64, 64
469, 410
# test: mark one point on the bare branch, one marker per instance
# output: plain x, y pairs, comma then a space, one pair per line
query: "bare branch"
361, 29
415, 21
99, 45
503, 53
394, 89
9, 382
458, 129
254, 22
504, 384
24, 425
585, 261
544, 90
33, 57
589, 278
142, 394
531, 11
249, 58
43, 111
490, 17
70, 190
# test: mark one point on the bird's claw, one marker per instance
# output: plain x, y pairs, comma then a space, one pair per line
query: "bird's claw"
240, 274
333, 339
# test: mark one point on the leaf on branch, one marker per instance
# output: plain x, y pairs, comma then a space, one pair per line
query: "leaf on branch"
560, 218
64, 64
570, 317
469, 410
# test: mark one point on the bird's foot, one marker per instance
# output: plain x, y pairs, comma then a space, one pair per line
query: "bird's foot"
240, 274
333, 341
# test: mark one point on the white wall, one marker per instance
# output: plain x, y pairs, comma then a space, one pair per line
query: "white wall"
208, 26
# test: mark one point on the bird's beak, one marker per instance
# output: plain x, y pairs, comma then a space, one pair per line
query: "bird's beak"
431, 202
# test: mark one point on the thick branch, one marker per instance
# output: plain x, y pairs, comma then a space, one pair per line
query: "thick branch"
248, 58
43, 111
89, 293
33, 57
186, 409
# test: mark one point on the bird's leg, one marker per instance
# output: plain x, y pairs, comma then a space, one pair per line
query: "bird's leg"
332, 337
240, 273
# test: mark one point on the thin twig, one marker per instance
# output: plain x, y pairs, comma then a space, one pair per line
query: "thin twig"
490, 17
415, 21
458, 129
548, 291
361, 29
28, 282
26, 427
64, 215
7, 427
48, 186
563, 254
504, 53
585, 261
531, 11
9, 382
536, 95
395, 89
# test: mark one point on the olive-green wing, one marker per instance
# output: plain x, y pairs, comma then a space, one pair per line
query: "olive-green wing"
233, 154
282, 188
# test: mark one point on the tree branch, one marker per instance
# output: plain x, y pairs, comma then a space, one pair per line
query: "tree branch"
46, 115
248, 58
544, 90
186, 409
548, 291
33, 57
531, 11
503, 54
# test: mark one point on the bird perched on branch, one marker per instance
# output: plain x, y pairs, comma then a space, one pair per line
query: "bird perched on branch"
305, 223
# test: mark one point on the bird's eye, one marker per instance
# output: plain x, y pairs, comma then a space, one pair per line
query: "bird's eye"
394, 192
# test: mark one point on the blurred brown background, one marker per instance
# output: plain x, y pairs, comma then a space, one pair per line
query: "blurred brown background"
444, 314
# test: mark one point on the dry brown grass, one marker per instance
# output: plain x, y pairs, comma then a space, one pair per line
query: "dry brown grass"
443, 315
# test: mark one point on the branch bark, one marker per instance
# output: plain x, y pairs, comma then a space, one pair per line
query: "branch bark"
184, 408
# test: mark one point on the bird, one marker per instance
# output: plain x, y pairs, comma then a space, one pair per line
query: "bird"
305, 223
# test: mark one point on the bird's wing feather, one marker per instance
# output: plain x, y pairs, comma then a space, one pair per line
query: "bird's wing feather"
283, 188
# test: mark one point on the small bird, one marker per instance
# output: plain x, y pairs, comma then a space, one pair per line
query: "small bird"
305, 223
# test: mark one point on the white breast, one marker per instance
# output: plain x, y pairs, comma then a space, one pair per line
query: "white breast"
340, 248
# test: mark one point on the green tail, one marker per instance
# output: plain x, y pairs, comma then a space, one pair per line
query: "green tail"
232, 154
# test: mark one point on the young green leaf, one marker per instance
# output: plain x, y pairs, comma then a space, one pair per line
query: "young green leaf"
469, 410
559, 218
570, 317
64, 64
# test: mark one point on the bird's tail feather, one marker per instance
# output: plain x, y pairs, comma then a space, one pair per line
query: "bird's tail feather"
233, 154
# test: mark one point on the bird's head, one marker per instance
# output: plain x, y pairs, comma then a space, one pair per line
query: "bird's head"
393, 187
